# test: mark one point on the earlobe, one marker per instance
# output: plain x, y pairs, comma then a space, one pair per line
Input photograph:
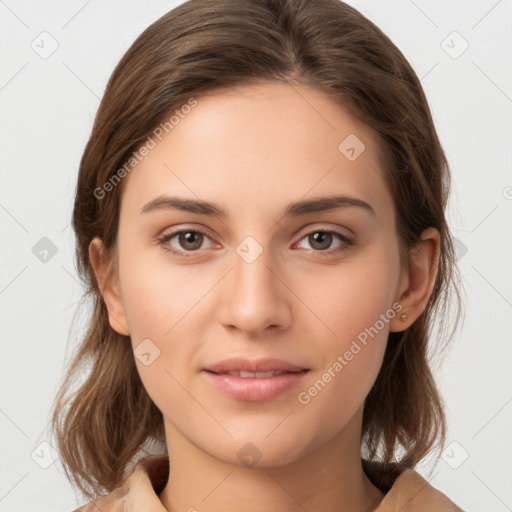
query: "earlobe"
421, 277
108, 282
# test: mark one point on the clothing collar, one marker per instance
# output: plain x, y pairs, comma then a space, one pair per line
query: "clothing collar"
405, 489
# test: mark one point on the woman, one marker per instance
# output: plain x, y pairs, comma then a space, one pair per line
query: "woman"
260, 222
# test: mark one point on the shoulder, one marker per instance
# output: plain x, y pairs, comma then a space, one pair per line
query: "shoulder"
411, 492
406, 490
139, 492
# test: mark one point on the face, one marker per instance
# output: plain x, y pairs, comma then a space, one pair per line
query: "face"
314, 287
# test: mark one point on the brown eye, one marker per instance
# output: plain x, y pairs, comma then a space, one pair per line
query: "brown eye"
185, 243
320, 240
190, 240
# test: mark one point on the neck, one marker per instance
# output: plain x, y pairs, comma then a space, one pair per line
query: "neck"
328, 477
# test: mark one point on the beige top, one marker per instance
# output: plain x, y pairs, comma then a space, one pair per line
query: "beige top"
406, 490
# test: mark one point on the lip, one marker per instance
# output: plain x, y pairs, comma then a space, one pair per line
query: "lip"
254, 389
256, 365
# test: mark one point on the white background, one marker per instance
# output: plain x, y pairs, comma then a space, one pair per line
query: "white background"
47, 108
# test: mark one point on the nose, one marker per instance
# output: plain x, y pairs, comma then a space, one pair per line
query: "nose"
255, 297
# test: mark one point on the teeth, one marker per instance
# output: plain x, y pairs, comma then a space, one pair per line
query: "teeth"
258, 375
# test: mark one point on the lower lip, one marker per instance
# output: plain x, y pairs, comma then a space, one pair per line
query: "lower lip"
254, 389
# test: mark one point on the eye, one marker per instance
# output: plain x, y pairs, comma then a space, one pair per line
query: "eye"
322, 239
190, 240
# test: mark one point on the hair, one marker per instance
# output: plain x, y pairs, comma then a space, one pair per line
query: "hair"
103, 425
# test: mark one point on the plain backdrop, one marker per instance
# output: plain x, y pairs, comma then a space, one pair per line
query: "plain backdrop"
56, 59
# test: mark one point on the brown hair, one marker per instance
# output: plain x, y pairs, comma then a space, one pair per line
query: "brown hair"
109, 420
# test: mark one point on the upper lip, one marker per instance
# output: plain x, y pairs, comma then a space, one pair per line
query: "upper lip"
256, 365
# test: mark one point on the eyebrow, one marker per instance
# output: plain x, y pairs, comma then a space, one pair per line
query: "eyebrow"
296, 209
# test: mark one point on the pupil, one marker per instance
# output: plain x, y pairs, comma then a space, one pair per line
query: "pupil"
189, 237
322, 238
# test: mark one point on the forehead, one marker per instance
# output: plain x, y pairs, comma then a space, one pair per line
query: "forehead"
261, 146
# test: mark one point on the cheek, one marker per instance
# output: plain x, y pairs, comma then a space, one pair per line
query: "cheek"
354, 306
157, 296
350, 298
161, 304
351, 360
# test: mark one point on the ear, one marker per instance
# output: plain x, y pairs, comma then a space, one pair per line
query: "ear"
108, 281
418, 281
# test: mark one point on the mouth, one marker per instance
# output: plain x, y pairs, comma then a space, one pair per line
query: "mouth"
259, 386
247, 368
255, 375
254, 380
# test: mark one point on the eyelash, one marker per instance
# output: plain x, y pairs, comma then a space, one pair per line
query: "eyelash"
347, 242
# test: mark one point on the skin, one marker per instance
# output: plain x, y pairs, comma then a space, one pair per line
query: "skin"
253, 150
